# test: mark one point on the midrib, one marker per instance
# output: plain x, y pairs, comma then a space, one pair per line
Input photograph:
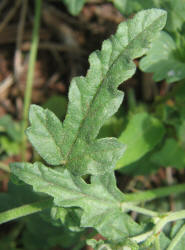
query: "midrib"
99, 89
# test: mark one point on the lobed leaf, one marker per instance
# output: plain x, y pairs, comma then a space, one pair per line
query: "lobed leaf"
93, 99
100, 200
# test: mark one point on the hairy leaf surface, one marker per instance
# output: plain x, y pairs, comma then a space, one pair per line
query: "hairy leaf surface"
93, 99
100, 200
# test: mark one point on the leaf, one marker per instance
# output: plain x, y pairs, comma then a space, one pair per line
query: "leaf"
69, 217
9, 146
175, 9
46, 134
93, 99
176, 17
8, 126
39, 234
171, 154
127, 7
100, 200
143, 166
141, 135
74, 6
17, 195
162, 61
38, 228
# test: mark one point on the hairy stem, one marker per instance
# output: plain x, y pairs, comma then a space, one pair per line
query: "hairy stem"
40, 205
142, 237
172, 216
24, 210
127, 206
31, 66
154, 193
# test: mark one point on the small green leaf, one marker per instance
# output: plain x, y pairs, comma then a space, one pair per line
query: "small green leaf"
162, 60
100, 200
93, 99
9, 146
74, 6
10, 127
141, 135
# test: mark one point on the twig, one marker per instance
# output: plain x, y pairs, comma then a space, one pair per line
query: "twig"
5, 84
10, 15
18, 56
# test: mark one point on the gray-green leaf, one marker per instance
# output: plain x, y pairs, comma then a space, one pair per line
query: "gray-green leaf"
93, 99
100, 200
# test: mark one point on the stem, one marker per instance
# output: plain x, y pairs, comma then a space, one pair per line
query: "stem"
177, 237
127, 206
154, 193
142, 237
31, 67
172, 216
24, 210
157, 243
